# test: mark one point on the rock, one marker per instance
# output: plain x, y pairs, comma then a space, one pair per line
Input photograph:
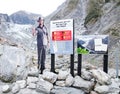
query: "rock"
101, 77
49, 76
115, 86
13, 64
89, 66
60, 83
28, 91
15, 88
32, 80
6, 88
7, 73
86, 75
31, 86
33, 71
93, 92
69, 80
21, 83
112, 73
44, 86
102, 89
66, 90
63, 75
83, 84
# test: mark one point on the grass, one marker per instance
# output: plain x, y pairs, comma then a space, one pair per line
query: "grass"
93, 14
72, 5
113, 32
94, 11
118, 4
106, 1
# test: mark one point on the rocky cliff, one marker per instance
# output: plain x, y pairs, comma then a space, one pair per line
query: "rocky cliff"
93, 17
23, 17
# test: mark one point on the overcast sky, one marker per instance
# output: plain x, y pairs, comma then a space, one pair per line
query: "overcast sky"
43, 7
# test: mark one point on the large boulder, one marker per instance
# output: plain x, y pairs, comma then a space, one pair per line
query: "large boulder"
7, 72
44, 86
49, 76
13, 63
83, 84
101, 77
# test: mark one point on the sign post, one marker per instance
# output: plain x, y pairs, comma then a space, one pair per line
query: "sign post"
105, 63
93, 44
52, 62
62, 41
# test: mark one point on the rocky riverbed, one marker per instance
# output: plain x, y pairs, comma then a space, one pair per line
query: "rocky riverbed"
19, 75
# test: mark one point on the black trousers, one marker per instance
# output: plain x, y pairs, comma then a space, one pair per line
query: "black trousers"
41, 57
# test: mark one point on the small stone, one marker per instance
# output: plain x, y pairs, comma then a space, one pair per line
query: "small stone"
6, 89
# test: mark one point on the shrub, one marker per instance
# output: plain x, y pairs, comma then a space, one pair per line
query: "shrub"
94, 11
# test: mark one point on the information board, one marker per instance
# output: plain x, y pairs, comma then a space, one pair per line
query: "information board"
92, 44
61, 36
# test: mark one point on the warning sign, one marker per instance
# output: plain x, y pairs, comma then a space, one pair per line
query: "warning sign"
61, 36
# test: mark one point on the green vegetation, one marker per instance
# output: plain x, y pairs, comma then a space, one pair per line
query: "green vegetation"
118, 4
72, 4
82, 51
94, 11
113, 32
106, 1
93, 14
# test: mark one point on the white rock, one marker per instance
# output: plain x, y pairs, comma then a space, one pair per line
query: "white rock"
86, 75
28, 91
63, 75
102, 89
5, 88
33, 71
60, 83
22, 83
112, 73
101, 77
31, 86
93, 92
49, 76
69, 80
32, 80
115, 85
15, 88
80, 83
44, 86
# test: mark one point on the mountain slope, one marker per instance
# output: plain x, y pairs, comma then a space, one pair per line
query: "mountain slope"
93, 17
22, 17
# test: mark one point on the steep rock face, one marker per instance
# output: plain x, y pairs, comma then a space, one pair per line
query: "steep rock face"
4, 18
104, 18
93, 17
4, 22
75, 9
22, 17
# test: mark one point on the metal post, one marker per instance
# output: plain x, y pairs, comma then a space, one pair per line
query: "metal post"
72, 56
72, 64
52, 62
105, 65
79, 64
